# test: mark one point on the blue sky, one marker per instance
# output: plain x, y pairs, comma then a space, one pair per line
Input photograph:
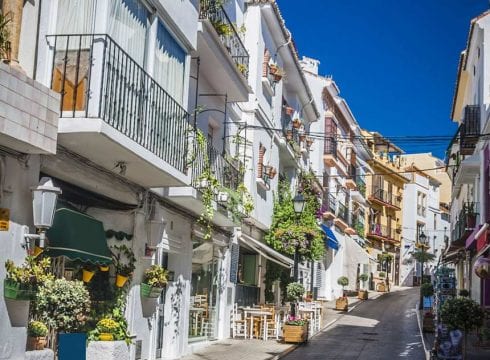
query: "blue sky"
395, 61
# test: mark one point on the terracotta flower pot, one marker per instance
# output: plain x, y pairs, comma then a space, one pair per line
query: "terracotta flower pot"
36, 343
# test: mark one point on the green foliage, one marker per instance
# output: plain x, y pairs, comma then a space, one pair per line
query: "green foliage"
362, 277
63, 305
33, 272
296, 322
427, 289
156, 276
37, 329
289, 231
294, 291
273, 273
343, 281
382, 274
4, 35
422, 256
124, 259
462, 313
464, 293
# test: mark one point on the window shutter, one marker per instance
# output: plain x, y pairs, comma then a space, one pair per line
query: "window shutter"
260, 165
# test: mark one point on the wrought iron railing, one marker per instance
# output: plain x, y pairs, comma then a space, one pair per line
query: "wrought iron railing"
98, 79
352, 171
343, 212
226, 30
469, 130
329, 203
466, 221
379, 230
386, 197
330, 146
224, 171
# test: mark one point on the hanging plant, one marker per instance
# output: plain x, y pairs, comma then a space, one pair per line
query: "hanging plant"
296, 123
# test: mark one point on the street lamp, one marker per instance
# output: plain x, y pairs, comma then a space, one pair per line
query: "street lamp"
422, 244
44, 197
299, 204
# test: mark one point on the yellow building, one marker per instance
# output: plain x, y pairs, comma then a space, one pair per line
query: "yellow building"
385, 196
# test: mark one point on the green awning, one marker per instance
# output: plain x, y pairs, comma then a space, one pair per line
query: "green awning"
78, 237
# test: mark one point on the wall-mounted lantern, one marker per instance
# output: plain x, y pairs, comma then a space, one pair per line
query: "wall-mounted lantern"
44, 198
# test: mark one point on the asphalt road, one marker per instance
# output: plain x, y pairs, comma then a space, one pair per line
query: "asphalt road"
385, 328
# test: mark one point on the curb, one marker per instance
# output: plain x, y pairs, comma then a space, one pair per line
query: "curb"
427, 352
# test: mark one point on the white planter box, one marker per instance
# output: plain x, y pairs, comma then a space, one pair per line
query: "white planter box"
107, 350
46, 354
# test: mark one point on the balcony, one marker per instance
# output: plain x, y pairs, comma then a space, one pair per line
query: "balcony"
359, 226
330, 152
329, 206
228, 178
116, 115
350, 181
384, 198
223, 57
28, 113
465, 223
383, 232
342, 219
469, 130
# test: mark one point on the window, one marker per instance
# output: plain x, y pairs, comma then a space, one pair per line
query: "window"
420, 230
128, 26
169, 67
421, 203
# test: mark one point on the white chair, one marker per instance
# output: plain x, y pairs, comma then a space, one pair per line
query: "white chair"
238, 323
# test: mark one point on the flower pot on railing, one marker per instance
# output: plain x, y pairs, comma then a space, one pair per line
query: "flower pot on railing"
155, 279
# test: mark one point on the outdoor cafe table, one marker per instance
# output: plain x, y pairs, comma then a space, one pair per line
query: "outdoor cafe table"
255, 312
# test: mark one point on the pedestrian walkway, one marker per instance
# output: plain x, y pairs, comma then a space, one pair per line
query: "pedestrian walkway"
268, 350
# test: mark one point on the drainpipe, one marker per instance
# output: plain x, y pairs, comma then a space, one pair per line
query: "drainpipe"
14, 8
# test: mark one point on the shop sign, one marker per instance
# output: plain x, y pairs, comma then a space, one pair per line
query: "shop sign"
4, 219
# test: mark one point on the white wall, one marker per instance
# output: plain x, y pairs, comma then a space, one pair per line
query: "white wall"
16, 179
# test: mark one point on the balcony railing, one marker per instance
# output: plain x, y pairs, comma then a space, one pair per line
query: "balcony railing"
329, 203
226, 173
330, 147
352, 171
386, 197
465, 222
470, 129
359, 226
98, 79
214, 12
383, 231
343, 213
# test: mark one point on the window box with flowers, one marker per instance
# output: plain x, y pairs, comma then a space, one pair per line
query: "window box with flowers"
22, 281
295, 331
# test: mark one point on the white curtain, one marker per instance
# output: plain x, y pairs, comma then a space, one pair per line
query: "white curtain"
75, 16
128, 26
169, 64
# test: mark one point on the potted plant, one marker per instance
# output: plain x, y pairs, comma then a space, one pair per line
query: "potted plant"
88, 272
107, 327
381, 287
309, 142
296, 123
342, 303
22, 281
363, 294
155, 279
289, 135
36, 332
124, 260
242, 68
276, 71
464, 293
302, 137
295, 330
428, 322
462, 314
294, 291
63, 306
123, 273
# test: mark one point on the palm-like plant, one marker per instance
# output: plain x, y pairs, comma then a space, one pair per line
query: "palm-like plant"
422, 256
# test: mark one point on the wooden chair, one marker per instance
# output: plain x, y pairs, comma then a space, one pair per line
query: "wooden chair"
271, 327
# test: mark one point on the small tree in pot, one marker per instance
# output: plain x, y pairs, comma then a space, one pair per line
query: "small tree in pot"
36, 332
342, 303
462, 314
363, 293
295, 330
294, 292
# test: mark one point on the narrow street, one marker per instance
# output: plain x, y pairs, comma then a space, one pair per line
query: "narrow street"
385, 328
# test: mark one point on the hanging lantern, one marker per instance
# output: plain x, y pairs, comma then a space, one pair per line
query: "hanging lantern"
482, 267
